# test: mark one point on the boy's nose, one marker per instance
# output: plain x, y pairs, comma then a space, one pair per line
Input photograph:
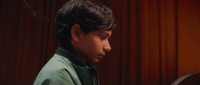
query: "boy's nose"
107, 47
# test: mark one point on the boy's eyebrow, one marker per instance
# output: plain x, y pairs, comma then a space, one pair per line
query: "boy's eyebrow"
105, 33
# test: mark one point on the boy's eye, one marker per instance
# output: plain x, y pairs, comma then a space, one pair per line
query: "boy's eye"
102, 37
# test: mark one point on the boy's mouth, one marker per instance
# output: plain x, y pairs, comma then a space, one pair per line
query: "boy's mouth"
102, 54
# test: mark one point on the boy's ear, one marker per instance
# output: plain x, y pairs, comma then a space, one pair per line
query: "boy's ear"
76, 32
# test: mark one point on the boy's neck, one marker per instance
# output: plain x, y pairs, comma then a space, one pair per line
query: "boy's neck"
74, 52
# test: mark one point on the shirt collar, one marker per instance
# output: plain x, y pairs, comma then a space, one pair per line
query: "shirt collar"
72, 55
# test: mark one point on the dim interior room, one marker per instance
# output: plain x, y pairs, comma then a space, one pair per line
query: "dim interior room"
154, 43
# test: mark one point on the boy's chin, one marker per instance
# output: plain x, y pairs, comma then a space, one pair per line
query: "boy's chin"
94, 61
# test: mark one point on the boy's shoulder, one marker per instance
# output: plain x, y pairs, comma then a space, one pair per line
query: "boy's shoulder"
58, 68
57, 62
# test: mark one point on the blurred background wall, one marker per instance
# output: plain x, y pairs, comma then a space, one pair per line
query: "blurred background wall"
154, 42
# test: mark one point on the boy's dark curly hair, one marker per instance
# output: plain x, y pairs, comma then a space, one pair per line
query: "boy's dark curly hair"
89, 14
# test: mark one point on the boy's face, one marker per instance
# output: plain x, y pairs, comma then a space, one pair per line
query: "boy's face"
94, 45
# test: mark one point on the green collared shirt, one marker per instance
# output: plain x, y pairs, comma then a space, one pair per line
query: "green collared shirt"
66, 68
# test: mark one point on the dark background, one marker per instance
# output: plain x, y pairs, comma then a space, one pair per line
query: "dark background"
154, 42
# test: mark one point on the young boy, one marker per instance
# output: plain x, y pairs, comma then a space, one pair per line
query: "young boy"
83, 29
